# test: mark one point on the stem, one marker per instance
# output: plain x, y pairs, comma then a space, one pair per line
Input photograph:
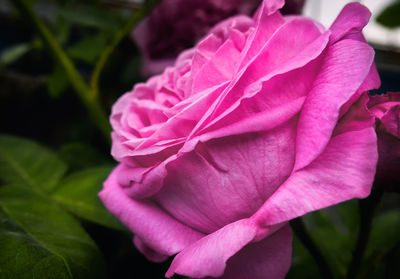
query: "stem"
366, 209
91, 101
301, 232
104, 56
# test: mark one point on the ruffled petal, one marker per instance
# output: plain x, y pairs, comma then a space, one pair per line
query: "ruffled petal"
279, 55
149, 222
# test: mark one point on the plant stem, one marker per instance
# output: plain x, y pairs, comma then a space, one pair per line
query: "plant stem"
366, 210
91, 101
104, 56
301, 232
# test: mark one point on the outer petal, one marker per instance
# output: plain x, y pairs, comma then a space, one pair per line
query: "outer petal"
271, 257
344, 170
351, 20
227, 179
347, 63
156, 229
209, 256
150, 254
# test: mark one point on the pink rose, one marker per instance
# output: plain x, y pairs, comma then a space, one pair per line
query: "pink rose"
386, 109
264, 120
176, 25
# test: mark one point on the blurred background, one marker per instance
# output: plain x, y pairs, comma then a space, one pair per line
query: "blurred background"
38, 102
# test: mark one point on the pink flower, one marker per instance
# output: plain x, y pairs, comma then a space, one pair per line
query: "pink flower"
264, 120
176, 25
386, 109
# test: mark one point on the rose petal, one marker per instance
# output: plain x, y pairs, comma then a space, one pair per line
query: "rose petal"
155, 227
209, 256
205, 187
345, 170
304, 45
347, 64
149, 253
281, 88
271, 256
267, 19
351, 20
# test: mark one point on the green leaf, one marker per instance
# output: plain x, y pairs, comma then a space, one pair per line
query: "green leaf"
13, 53
40, 240
57, 82
89, 48
389, 17
91, 16
25, 162
78, 194
385, 233
80, 156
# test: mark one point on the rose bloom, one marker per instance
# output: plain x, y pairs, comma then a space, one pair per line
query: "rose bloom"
386, 109
264, 120
175, 25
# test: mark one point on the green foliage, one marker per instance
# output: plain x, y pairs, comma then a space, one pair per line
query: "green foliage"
57, 82
335, 231
27, 163
91, 16
89, 48
38, 235
41, 240
13, 53
78, 194
383, 247
79, 156
390, 16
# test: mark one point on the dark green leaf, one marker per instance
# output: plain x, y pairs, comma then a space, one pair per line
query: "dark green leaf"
91, 17
89, 48
78, 194
62, 29
40, 240
80, 156
57, 82
25, 162
13, 53
385, 233
390, 16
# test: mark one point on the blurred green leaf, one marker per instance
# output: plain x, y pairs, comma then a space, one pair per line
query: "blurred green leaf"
80, 156
57, 82
334, 244
13, 53
25, 162
91, 16
62, 29
334, 230
303, 265
89, 48
390, 16
383, 247
40, 240
385, 233
349, 215
78, 194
